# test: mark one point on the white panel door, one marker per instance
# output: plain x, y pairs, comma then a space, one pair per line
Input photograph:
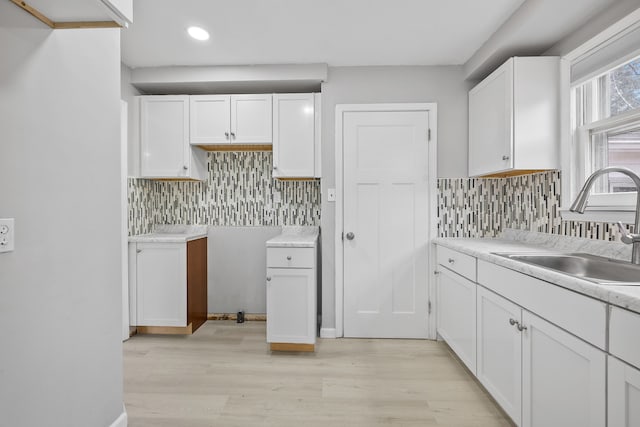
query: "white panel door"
624, 394
499, 351
457, 315
210, 119
164, 136
251, 119
293, 135
563, 378
161, 284
386, 221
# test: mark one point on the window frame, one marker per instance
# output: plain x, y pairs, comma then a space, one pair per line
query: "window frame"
585, 121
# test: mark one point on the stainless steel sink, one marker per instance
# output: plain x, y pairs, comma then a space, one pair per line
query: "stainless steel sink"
597, 269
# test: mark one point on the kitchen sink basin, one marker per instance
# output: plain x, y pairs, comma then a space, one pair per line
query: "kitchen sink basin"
597, 269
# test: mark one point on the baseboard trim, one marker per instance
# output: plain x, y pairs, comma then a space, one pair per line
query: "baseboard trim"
121, 421
234, 316
327, 332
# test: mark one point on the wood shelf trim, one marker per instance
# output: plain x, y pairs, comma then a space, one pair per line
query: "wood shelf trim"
166, 330
63, 25
236, 147
283, 346
511, 173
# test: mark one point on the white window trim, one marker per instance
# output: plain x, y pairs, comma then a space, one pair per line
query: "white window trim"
602, 208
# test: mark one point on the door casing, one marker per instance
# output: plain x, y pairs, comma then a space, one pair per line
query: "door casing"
341, 109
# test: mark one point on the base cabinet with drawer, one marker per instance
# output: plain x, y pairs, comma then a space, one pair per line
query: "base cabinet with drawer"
537, 348
291, 298
456, 301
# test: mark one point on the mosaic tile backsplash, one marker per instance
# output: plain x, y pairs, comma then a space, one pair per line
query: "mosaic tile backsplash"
472, 207
240, 191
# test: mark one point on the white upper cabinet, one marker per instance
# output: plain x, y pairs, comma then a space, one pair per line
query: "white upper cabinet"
514, 118
164, 140
230, 119
251, 118
210, 119
295, 135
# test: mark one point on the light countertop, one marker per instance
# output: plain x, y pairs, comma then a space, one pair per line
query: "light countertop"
295, 237
529, 242
172, 234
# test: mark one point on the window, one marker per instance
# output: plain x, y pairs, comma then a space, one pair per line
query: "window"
607, 132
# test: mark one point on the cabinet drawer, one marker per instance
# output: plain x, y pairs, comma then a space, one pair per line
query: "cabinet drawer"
580, 315
291, 257
464, 265
623, 335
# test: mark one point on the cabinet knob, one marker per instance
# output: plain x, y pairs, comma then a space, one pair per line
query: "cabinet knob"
521, 327
226, 134
350, 236
233, 135
512, 322
451, 260
138, 251
268, 279
505, 157
288, 257
185, 167
275, 167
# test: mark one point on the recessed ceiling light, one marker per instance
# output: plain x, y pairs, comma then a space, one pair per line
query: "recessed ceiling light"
198, 33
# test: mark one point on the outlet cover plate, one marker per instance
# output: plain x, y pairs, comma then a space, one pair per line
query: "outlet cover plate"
7, 234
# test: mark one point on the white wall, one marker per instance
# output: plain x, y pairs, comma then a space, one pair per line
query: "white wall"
128, 94
60, 291
354, 85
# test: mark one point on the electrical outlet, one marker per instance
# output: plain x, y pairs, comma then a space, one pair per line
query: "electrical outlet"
6, 234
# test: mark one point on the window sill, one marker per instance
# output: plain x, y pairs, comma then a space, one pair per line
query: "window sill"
626, 215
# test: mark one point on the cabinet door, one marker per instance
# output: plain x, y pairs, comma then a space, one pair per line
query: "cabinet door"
563, 378
164, 133
251, 119
291, 305
161, 284
293, 135
491, 123
210, 119
500, 351
457, 315
624, 394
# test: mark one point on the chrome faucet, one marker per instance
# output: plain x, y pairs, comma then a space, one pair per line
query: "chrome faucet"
580, 204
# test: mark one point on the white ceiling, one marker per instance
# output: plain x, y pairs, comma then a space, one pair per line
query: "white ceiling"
336, 32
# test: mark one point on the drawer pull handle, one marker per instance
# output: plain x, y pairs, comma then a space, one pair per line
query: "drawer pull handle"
288, 257
512, 322
451, 260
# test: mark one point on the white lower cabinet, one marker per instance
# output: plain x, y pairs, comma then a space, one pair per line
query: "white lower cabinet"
541, 375
563, 377
624, 394
457, 315
291, 297
499, 366
161, 284
291, 305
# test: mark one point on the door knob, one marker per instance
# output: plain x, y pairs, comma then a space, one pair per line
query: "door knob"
350, 236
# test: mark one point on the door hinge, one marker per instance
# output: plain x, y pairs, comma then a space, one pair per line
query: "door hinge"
429, 307
429, 134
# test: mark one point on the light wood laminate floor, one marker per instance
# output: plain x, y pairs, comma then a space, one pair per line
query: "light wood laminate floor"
224, 375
